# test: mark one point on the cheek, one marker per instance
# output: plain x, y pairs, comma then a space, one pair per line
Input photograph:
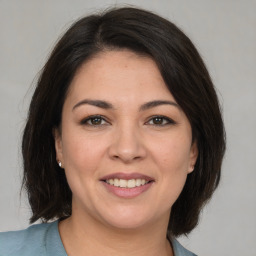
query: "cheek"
173, 155
81, 159
172, 159
81, 153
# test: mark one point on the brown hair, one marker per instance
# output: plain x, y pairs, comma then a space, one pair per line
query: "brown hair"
186, 77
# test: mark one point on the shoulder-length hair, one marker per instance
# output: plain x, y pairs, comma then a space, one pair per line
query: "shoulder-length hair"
186, 77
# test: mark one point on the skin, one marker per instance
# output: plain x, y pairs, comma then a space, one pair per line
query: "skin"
128, 139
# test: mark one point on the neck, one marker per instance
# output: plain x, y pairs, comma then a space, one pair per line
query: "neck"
81, 236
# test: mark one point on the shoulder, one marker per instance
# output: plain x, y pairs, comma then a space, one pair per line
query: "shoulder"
179, 250
30, 241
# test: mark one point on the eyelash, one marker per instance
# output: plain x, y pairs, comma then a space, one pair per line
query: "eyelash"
167, 120
90, 118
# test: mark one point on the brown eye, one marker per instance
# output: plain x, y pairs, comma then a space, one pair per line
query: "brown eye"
94, 121
160, 121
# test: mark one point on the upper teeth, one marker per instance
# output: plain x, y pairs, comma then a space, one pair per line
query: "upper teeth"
126, 183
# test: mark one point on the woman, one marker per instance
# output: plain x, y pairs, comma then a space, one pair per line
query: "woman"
123, 143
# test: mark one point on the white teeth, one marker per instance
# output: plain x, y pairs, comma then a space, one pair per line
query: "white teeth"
123, 183
131, 183
138, 182
127, 183
116, 182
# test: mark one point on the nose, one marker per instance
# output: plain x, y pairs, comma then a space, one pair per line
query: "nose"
127, 144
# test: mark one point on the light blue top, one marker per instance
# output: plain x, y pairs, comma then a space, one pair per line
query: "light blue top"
44, 240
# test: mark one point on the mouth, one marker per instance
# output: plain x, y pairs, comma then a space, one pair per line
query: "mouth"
121, 183
127, 185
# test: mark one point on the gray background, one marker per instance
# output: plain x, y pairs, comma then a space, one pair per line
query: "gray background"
225, 34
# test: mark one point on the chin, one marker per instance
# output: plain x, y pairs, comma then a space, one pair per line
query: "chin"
127, 224
127, 218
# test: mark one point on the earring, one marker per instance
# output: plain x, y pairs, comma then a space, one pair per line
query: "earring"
59, 164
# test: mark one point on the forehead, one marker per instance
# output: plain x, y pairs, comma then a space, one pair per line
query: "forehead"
120, 76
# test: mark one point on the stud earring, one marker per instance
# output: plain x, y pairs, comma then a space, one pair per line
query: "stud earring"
59, 164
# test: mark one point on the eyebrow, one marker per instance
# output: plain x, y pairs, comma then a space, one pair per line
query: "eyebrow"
155, 103
96, 103
107, 105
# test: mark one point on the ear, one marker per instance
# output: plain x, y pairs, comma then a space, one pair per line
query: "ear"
58, 145
193, 157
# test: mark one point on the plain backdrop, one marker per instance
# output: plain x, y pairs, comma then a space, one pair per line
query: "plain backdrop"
224, 31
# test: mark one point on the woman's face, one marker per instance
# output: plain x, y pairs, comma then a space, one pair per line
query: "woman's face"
125, 144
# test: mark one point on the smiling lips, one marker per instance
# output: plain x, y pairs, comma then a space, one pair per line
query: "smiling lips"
127, 185
132, 183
